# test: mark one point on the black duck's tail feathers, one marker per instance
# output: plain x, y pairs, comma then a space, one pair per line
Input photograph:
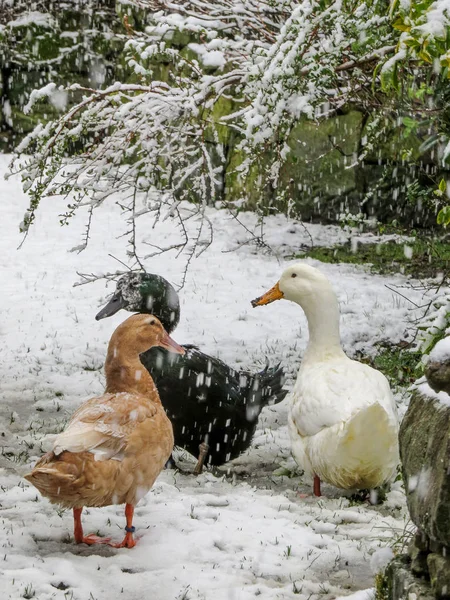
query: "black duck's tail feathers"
266, 387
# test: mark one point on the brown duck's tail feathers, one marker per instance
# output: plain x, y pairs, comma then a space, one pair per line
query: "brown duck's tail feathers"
49, 479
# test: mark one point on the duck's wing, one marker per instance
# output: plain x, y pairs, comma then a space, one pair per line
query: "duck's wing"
328, 394
103, 425
205, 377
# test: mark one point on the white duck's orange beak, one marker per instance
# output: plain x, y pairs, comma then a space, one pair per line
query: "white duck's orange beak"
169, 344
273, 294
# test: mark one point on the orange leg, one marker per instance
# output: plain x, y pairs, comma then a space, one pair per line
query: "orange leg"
317, 486
78, 531
128, 540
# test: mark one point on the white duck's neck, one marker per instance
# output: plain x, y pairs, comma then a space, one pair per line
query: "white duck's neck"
322, 313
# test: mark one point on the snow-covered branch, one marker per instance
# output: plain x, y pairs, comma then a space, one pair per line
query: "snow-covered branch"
205, 73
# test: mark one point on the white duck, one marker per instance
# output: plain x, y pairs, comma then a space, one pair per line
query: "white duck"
342, 419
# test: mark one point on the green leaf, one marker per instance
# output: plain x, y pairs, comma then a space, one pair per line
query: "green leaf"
426, 56
409, 123
429, 143
443, 217
400, 24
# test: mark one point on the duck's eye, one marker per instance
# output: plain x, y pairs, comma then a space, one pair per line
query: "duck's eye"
294, 275
152, 322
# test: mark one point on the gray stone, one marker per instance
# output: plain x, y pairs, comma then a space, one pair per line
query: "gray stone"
398, 583
438, 375
439, 569
425, 453
438, 548
419, 565
421, 541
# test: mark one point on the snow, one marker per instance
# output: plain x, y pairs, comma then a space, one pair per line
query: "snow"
408, 251
59, 99
38, 94
234, 534
424, 389
361, 595
209, 56
215, 58
380, 559
33, 18
441, 352
437, 19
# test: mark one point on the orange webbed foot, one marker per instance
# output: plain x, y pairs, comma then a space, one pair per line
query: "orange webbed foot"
92, 539
127, 542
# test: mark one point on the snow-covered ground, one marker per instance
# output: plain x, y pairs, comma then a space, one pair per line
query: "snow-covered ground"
233, 535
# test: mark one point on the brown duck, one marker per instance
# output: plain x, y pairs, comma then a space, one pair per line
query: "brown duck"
116, 444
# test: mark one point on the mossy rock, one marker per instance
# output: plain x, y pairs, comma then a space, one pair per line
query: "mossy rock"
315, 174
439, 569
24, 123
398, 583
224, 106
425, 454
394, 146
437, 370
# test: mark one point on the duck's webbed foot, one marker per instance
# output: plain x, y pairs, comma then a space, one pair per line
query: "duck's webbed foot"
128, 541
79, 536
92, 539
204, 449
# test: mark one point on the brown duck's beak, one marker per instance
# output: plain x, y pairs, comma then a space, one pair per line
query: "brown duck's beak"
169, 344
114, 305
273, 294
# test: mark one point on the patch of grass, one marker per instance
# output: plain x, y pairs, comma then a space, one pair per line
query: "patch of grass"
399, 365
93, 367
381, 587
420, 258
60, 586
17, 457
28, 592
295, 589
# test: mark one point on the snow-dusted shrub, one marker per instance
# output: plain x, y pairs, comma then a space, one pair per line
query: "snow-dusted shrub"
207, 71
435, 325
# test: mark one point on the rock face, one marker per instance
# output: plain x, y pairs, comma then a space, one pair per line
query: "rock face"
425, 454
398, 582
437, 370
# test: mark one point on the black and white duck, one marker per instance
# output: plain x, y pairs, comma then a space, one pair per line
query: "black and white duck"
213, 408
